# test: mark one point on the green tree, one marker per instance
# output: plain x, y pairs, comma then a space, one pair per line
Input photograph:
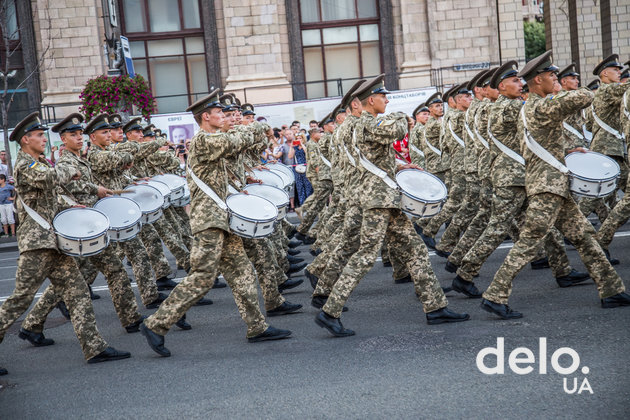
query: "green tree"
534, 39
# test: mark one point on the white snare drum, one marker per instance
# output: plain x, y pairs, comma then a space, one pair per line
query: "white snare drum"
124, 216
175, 183
592, 174
184, 200
81, 232
301, 168
276, 195
287, 182
251, 216
269, 177
149, 199
279, 167
164, 189
423, 194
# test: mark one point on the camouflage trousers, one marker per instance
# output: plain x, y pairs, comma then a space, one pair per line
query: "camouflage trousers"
543, 212
178, 218
389, 254
330, 225
508, 204
280, 250
421, 222
153, 244
321, 192
173, 241
618, 216
392, 224
456, 193
462, 218
260, 253
118, 283
140, 260
33, 268
476, 226
214, 251
324, 220
602, 206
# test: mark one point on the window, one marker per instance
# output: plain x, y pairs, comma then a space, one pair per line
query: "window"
16, 74
167, 46
340, 44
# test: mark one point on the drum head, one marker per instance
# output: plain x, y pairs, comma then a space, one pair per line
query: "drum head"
160, 186
269, 177
286, 179
282, 168
592, 165
147, 197
121, 211
276, 195
422, 185
252, 207
81, 223
174, 182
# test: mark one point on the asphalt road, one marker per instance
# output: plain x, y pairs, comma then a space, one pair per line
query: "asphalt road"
396, 366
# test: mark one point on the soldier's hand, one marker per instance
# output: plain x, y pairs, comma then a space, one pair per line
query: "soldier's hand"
577, 149
104, 192
261, 168
76, 176
79, 206
410, 166
251, 180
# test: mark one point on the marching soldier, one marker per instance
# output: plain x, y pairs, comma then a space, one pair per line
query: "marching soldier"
421, 116
86, 192
36, 184
215, 249
383, 217
550, 202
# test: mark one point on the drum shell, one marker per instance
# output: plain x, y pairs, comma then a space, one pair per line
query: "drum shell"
587, 187
414, 207
165, 191
153, 213
248, 227
151, 217
177, 192
596, 186
82, 247
282, 209
124, 232
182, 202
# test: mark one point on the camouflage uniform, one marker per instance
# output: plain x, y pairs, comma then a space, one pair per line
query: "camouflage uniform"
550, 201
609, 144
382, 217
509, 195
215, 248
39, 259
470, 202
107, 170
415, 145
478, 123
453, 155
84, 191
322, 187
326, 149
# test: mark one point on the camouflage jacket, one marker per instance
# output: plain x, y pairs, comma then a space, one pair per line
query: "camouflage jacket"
415, 140
444, 133
84, 189
334, 150
625, 116
471, 154
324, 146
140, 153
207, 160
575, 121
432, 135
544, 121
164, 162
374, 138
36, 183
606, 105
312, 160
107, 166
503, 123
350, 166
486, 156
450, 145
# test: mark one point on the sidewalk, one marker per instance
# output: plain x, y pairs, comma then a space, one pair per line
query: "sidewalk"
8, 244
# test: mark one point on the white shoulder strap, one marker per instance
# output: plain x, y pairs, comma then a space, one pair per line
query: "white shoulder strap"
503, 148
455, 136
415, 149
540, 151
605, 126
479, 136
35, 216
207, 190
572, 130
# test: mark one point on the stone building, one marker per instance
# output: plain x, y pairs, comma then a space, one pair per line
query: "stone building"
281, 50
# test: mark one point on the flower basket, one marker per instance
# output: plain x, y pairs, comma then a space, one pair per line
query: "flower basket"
116, 94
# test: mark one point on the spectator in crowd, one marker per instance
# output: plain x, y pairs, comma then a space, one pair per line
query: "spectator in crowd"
303, 187
4, 169
7, 196
288, 152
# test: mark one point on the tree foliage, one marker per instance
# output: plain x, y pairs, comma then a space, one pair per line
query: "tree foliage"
535, 43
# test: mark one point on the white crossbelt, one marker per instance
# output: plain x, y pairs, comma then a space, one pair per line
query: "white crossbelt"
207, 190
326, 161
372, 168
455, 136
350, 157
479, 136
573, 130
606, 127
433, 148
35, 216
540, 151
415, 149
506, 150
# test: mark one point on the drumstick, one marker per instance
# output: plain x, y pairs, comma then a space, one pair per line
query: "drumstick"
399, 155
123, 191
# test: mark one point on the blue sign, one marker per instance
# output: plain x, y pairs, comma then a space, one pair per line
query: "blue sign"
124, 42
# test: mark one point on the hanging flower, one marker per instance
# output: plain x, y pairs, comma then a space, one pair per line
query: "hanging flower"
103, 93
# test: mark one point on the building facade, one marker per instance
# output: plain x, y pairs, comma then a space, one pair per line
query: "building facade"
282, 50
